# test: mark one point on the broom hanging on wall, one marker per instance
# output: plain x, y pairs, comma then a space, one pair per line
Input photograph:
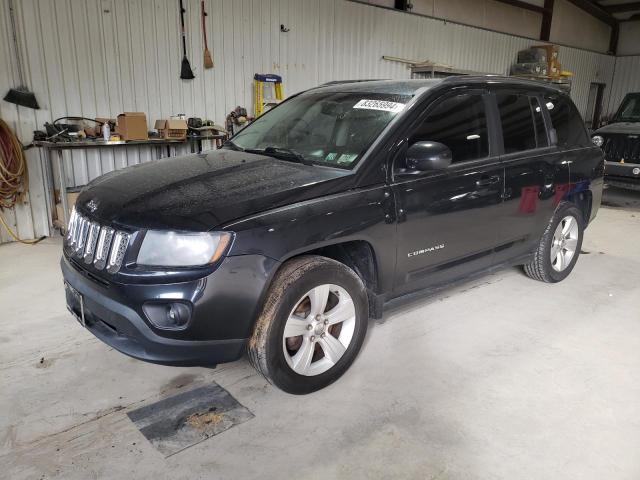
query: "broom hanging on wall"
20, 95
185, 71
208, 60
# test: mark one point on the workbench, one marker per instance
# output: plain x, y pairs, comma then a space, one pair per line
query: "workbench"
52, 157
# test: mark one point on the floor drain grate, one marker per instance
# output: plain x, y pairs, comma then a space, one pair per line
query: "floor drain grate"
188, 418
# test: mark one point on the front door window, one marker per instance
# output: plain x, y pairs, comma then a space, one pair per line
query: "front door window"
460, 123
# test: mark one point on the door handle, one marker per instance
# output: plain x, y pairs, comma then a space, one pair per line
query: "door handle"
486, 181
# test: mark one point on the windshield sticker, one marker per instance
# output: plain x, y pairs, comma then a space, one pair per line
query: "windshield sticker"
380, 105
347, 157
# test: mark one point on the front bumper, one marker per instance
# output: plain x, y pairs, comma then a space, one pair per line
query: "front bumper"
225, 306
623, 175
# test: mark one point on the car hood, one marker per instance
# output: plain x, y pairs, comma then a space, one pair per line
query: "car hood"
202, 191
628, 128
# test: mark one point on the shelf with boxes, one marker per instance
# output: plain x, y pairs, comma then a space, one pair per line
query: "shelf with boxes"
542, 62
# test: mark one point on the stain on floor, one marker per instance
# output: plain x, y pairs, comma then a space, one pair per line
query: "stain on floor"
178, 382
45, 362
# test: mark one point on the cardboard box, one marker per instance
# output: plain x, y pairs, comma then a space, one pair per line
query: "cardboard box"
555, 68
553, 64
72, 197
172, 129
132, 126
551, 51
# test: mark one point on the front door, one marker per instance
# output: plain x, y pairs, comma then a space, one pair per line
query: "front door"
448, 219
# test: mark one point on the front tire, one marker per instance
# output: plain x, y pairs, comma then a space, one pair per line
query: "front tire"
312, 325
559, 246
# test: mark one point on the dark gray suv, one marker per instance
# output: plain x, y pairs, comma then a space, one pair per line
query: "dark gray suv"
620, 141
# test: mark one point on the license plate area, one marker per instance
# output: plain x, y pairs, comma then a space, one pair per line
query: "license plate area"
75, 303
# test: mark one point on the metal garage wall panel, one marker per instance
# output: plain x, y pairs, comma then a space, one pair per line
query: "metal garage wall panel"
28, 219
372, 32
587, 67
103, 57
627, 79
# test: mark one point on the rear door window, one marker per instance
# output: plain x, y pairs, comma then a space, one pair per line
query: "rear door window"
518, 127
522, 122
460, 123
566, 121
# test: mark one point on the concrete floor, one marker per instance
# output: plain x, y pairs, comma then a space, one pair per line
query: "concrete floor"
500, 378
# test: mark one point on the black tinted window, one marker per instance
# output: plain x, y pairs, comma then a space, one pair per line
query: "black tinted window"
567, 122
460, 123
518, 129
538, 119
522, 122
629, 111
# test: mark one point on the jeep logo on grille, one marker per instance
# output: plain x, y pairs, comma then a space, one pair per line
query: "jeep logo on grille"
92, 205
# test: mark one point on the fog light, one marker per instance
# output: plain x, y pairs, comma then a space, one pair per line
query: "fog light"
636, 171
597, 140
168, 316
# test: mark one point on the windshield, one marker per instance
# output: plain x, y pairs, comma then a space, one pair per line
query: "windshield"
326, 128
630, 109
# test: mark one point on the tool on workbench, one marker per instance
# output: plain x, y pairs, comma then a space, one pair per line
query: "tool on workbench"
208, 59
263, 81
236, 120
185, 71
21, 94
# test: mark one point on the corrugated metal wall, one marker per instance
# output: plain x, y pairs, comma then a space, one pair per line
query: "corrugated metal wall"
103, 57
626, 79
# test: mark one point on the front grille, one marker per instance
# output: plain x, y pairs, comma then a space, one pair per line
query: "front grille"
622, 147
94, 243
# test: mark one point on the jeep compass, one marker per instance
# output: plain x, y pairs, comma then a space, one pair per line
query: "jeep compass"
285, 242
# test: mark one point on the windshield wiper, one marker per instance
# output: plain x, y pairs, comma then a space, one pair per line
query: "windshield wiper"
289, 152
283, 153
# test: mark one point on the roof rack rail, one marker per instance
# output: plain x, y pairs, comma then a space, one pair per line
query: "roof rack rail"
341, 82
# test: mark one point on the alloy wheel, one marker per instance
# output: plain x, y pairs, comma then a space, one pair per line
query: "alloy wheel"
319, 330
565, 243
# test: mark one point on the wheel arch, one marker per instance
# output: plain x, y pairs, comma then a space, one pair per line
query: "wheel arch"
582, 199
360, 256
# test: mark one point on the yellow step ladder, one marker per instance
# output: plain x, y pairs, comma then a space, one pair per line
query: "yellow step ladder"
274, 84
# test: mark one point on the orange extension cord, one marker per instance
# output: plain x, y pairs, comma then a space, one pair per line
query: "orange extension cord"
14, 177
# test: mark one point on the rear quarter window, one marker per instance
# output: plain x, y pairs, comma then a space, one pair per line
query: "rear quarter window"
566, 121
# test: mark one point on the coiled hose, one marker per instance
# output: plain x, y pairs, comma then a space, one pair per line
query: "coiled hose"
14, 177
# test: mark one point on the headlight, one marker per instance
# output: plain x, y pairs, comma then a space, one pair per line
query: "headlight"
182, 249
597, 140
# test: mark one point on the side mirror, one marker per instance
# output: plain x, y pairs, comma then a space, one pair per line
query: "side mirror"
425, 156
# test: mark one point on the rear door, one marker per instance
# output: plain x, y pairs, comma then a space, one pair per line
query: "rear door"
447, 220
536, 172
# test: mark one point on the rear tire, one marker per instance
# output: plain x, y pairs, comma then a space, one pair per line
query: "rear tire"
559, 246
312, 325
